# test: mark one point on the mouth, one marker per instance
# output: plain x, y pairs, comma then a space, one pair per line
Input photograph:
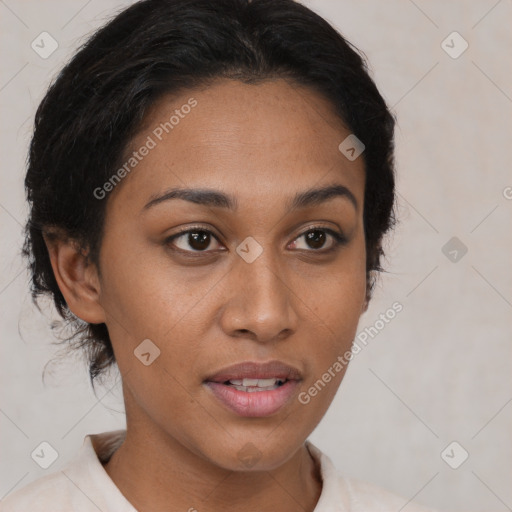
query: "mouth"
254, 389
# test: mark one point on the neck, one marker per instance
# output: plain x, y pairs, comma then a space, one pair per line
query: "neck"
155, 472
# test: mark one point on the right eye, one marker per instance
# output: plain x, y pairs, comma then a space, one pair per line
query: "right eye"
198, 239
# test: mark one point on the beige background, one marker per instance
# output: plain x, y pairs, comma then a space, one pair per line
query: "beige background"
440, 371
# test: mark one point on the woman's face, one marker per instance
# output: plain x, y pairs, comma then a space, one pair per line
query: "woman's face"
259, 278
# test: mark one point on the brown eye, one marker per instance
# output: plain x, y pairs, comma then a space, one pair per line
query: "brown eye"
316, 239
199, 240
192, 240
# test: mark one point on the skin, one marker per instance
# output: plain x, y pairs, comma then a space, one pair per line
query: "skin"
296, 303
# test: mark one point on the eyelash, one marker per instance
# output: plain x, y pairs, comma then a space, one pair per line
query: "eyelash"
338, 239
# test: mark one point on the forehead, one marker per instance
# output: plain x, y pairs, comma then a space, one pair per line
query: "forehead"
270, 139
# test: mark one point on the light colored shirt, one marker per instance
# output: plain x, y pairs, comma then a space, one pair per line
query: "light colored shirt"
83, 485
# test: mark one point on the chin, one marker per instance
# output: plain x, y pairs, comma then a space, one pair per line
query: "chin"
251, 454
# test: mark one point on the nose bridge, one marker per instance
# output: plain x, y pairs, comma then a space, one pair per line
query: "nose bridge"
261, 275
261, 301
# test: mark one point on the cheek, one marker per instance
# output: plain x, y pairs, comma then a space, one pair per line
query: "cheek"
336, 295
147, 298
336, 301
338, 307
142, 287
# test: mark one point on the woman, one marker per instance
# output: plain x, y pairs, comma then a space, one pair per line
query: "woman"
209, 185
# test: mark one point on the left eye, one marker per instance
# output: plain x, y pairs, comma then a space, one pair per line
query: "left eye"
316, 239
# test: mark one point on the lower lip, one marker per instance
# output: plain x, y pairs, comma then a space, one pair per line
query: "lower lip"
256, 403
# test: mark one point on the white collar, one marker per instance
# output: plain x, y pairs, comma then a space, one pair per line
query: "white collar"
90, 474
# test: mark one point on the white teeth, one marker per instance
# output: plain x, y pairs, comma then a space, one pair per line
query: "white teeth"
263, 383
254, 388
251, 385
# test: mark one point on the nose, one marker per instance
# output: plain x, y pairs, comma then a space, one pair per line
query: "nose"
259, 303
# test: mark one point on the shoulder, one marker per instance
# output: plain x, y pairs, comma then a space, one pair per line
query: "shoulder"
81, 486
340, 492
50, 492
369, 497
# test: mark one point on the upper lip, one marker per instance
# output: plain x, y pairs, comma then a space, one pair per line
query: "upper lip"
254, 370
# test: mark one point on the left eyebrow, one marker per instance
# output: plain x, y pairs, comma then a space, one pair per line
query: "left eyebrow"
218, 199
316, 196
